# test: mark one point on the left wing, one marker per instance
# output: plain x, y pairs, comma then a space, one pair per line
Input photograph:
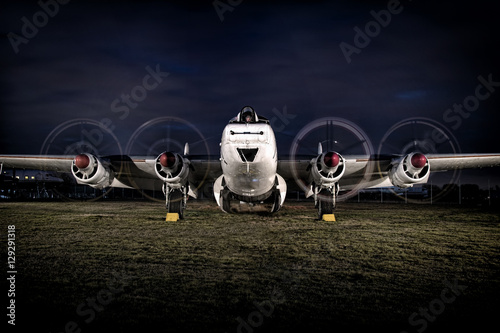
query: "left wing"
123, 171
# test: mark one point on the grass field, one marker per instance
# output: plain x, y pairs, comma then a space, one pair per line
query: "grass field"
119, 267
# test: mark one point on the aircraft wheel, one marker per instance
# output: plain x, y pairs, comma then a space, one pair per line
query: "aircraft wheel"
226, 201
276, 202
176, 204
325, 204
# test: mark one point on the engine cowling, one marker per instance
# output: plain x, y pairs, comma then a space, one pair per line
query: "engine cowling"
90, 170
414, 168
172, 168
328, 168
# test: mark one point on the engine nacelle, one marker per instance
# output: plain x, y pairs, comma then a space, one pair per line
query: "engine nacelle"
172, 168
412, 169
327, 168
90, 170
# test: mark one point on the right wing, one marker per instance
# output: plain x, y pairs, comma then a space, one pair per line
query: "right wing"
358, 172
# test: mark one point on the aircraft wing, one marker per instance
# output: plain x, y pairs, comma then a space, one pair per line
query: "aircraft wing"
381, 171
115, 170
141, 172
445, 162
37, 162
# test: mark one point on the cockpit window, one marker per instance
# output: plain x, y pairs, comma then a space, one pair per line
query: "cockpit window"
248, 115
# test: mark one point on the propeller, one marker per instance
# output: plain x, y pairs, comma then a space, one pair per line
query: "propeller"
421, 136
75, 138
339, 135
164, 134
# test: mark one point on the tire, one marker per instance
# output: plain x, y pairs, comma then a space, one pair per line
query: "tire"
176, 203
226, 201
325, 206
276, 202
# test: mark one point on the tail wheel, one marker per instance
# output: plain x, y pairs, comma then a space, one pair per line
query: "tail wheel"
176, 204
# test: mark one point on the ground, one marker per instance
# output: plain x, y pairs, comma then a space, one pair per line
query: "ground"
119, 267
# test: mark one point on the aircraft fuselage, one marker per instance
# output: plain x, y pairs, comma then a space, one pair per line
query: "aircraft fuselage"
249, 160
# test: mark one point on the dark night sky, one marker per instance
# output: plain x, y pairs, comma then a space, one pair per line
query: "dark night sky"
269, 54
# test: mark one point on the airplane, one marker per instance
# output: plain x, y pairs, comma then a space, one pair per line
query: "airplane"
249, 170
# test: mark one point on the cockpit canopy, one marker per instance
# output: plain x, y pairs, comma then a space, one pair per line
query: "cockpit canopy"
248, 115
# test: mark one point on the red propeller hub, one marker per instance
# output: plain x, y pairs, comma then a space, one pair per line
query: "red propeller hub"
331, 159
82, 161
418, 160
167, 160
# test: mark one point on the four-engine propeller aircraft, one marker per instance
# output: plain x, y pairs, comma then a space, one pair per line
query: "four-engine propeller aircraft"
249, 169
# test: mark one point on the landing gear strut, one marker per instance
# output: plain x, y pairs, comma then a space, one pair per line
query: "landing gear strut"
325, 199
225, 196
175, 199
276, 197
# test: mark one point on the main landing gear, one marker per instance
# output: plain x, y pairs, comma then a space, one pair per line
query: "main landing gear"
273, 202
175, 199
325, 199
225, 197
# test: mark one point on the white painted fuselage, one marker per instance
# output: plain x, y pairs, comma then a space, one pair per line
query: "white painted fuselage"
249, 160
